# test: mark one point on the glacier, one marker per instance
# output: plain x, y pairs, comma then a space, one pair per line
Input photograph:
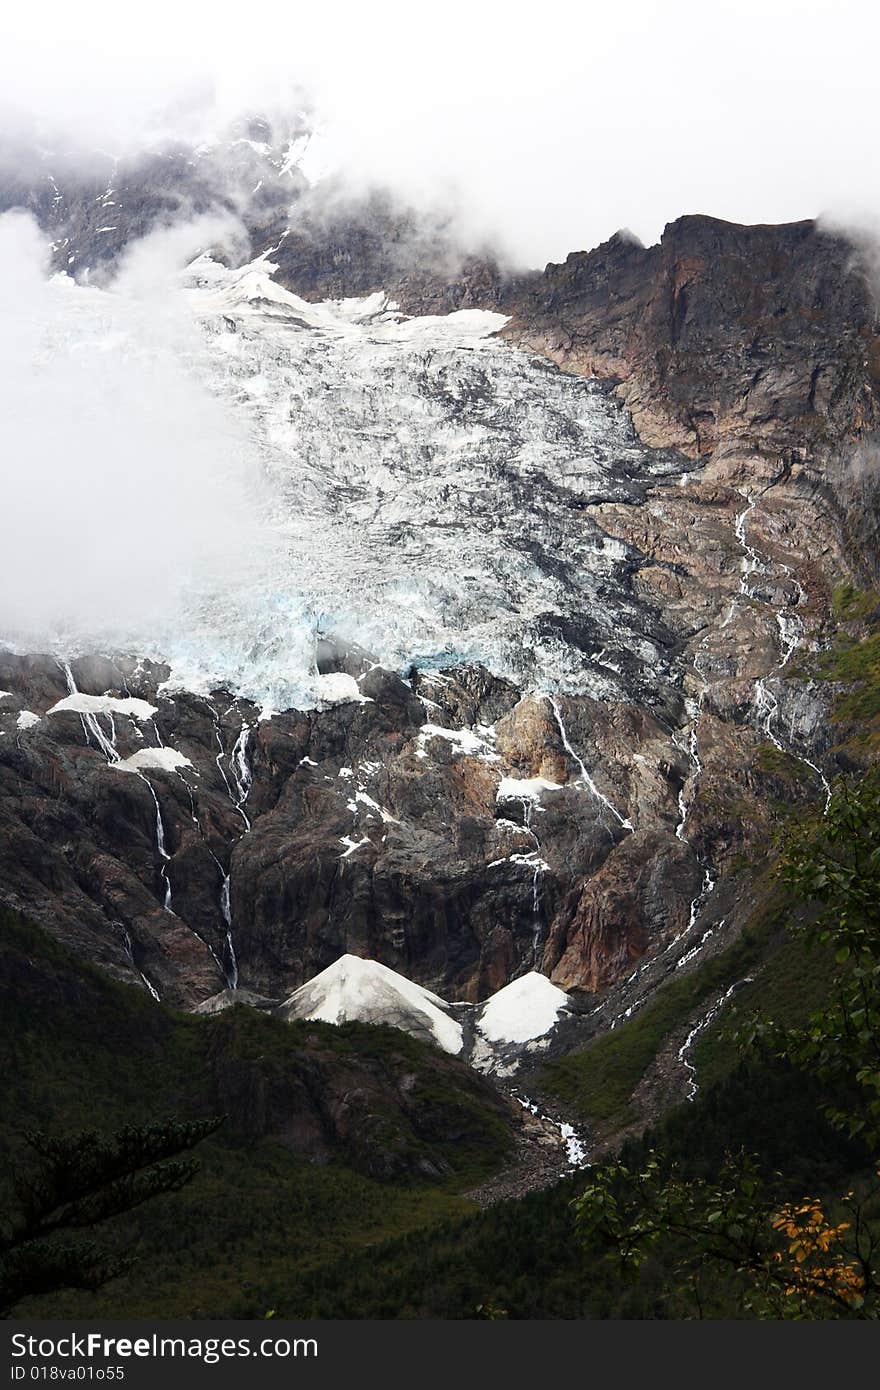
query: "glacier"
415, 488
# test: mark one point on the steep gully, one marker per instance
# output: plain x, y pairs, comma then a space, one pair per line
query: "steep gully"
240, 772
766, 709
790, 629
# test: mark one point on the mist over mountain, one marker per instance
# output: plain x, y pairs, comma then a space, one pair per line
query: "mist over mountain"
441, 516
281, 453
543, 134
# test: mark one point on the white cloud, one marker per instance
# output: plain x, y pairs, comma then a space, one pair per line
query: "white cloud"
555, 124
122, 478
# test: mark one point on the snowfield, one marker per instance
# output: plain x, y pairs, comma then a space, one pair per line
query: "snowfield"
152, 760
525, 788
78, 703
517, 1019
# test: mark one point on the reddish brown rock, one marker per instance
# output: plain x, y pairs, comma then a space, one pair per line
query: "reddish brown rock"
608, 920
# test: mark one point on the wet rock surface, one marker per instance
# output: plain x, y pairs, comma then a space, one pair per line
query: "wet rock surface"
447, 826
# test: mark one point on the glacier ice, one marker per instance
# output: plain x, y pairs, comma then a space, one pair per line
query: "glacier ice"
423, 493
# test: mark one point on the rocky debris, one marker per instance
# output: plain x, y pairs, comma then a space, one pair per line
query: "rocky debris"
669, 1078
229, 998
548, 1148
539, 1160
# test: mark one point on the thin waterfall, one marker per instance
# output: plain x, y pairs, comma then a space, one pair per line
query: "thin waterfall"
585, 776
790, 633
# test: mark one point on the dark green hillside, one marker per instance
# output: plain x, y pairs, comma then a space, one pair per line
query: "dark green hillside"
333, 1138
522, 1258
333, 1188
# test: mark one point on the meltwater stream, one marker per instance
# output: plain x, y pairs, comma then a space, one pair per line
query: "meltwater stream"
139, 710
790, 629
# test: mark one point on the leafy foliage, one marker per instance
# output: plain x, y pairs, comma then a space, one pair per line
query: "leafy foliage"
793, 1260
80, 1181
837, 869
797, 1258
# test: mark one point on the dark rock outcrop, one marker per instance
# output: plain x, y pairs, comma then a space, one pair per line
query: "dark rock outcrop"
722, 337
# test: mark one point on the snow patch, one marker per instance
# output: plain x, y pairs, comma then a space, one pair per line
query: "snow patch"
214, 287
105, 704
337, 688
364, 991
525, 1009
525, 788
27, 719
476, 743
352, 845
153, 759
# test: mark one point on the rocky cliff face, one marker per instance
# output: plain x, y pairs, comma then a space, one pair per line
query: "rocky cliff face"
589, 800
329, 244
725, 340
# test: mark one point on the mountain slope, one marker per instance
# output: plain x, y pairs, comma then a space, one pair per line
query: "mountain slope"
557, 604
337, 1136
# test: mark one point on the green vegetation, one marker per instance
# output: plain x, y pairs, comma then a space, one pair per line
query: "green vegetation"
791, 978
793, 981
857, 663
523, 1258
598, 1081
853, 661
850, 604
792, 1254
76, 1183
788, 769
263, 1226
86, 1052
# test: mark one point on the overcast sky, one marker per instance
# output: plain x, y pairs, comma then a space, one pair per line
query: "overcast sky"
552, 124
